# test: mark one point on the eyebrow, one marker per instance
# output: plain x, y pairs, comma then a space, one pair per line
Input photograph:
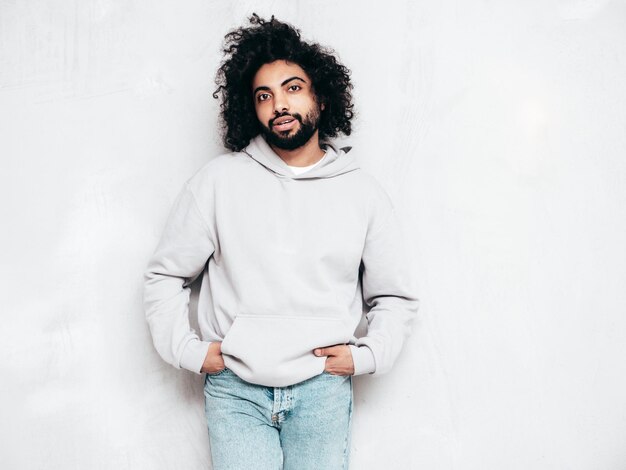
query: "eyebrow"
265, 88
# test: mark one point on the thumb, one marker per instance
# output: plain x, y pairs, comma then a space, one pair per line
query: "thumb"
329, 351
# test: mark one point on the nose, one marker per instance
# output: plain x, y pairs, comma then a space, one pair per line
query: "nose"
280, 103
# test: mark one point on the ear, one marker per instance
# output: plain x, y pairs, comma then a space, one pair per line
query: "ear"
322, 106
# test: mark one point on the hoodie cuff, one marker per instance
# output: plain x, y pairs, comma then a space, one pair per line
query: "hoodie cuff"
363, 360
194, 355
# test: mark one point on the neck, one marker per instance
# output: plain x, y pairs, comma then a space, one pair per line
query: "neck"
306, 155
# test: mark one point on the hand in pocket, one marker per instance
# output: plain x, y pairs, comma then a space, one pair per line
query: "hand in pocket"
214, 361
338, 360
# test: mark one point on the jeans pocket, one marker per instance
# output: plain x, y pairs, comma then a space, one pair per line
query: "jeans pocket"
333, 375
219, 372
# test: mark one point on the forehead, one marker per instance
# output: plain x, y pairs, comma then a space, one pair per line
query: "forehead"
274, 73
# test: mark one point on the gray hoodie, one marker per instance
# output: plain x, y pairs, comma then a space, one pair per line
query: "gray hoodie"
288, 261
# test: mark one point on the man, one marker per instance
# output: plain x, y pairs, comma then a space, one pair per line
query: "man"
292, 236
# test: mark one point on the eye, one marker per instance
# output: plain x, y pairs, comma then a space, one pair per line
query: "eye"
294, 88
262, 96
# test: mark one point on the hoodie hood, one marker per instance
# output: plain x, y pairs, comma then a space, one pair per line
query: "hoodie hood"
337, 161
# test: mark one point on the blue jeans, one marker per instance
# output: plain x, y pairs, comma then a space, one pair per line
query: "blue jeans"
299, 427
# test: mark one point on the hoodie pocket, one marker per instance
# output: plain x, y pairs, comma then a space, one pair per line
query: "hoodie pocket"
279, 348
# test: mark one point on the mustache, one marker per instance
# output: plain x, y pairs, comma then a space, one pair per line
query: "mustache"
294, 115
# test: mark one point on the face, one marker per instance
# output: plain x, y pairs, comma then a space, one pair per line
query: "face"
285, 104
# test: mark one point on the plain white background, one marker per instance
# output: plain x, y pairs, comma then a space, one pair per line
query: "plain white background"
498, 129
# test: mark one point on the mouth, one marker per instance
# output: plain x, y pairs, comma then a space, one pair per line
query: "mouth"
283, 123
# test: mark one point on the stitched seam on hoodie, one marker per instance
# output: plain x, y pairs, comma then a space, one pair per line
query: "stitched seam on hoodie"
290, 317
383, 225
197, 207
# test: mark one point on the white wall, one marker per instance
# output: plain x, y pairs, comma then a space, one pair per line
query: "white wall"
498, 127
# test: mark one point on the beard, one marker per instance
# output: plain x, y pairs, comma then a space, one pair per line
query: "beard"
306, 130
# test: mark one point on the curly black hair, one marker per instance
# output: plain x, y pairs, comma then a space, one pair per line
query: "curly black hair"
246, 49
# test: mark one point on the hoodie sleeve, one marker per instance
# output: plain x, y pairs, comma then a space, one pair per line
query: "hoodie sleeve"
184, 248
387, 289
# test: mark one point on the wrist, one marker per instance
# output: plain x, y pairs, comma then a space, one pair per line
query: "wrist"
363, 360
